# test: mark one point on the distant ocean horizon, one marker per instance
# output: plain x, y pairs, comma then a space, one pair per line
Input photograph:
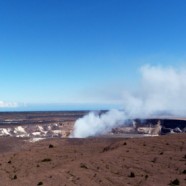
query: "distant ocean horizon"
59, 107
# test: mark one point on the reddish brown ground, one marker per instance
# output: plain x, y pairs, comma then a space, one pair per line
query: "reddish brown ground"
98, 161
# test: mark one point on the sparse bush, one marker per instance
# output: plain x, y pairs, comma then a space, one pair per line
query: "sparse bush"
46, 160
154, 160
146, 176
132, 175
175, 182
82, 165
105, 149
15, 177
51, 146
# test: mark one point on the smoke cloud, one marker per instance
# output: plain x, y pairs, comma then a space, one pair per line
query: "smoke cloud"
161, 90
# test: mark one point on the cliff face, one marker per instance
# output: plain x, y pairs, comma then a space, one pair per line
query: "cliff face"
60, 124
37, 124
152, 127
165, 123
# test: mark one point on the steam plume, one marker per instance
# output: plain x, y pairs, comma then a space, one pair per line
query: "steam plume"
93, 124
161, 90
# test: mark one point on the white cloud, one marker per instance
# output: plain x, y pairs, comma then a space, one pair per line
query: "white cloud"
4, 104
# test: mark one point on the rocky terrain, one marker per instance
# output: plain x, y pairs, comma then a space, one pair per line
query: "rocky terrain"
36, 125
147, 161
115, 158
37, 130
40, 125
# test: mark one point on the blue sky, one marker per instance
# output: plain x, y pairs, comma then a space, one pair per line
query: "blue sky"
69, 54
